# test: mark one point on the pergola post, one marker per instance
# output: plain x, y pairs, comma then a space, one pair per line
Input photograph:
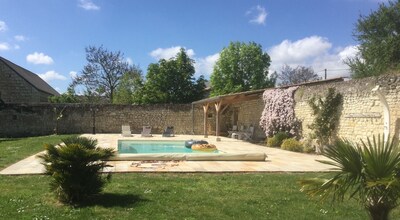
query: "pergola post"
205, 109
217, 111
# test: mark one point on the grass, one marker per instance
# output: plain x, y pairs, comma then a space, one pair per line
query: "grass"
168, 196
175, 196
15, 149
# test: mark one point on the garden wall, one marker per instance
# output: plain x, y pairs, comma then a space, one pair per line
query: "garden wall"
41, 119
362, 111
361, 114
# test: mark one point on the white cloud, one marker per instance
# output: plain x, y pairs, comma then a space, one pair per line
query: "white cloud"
16, 47
39, 58
3, 26
20, 38
52, 75
73, 74
258, 15
314, 51
300, 50
348, 52
205, 66
167, 53
4, 46
129, 61
88, 5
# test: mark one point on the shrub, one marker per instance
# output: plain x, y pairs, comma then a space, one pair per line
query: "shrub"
74, 167
277, 139
326, 111
308, 145
368, 172
278, 114
292, 144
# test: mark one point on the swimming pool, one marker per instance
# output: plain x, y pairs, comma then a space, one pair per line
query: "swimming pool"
152, 147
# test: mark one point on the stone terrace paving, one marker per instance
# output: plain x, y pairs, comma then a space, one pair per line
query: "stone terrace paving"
278, 160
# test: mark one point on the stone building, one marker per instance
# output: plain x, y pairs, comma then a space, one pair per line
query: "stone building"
19, 85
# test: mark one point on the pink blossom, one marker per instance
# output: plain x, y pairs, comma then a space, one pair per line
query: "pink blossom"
278, 114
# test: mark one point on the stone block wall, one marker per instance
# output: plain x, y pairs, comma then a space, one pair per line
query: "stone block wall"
14, 89
41, 119
249, 113
361, 114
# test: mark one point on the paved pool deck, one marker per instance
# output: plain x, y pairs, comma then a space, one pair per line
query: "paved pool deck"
277, 160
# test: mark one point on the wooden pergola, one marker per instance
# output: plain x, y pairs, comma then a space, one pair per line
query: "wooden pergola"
221, 103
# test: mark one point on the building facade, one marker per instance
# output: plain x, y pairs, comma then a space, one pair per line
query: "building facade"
19, 85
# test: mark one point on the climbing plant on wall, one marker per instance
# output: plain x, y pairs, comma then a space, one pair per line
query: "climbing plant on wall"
326, 116
278, 114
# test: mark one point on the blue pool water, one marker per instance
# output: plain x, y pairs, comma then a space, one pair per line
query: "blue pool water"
149, 147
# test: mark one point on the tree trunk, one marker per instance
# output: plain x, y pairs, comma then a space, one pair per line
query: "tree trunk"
379, 213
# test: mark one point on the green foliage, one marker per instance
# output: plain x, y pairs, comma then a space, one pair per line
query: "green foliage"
171, 81
369, 172
67, 97
326, 116
131, 83
273, 142
292, 144
74, 167
178, 196
13, 150
379, 42
277, 139
308, 146
103, 72
241, 67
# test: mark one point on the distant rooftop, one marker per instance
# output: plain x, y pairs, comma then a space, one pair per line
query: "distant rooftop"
30, 77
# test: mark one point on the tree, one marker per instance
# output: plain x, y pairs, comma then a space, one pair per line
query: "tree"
368, 172
300, 74
241, 67
131, 82
74, 167
67, 97
103, 72
172, 81
379, 42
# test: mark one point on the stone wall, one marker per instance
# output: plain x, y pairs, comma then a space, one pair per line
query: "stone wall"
361, 113
41, 119
14, 89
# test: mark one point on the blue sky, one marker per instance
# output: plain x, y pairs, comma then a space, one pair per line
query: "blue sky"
49, 37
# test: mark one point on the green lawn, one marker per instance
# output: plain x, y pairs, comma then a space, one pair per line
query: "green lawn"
15, 149
172, 196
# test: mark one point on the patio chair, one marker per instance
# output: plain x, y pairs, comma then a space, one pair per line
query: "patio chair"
169, 132
126, 131
248, 135
234, 130
146, 131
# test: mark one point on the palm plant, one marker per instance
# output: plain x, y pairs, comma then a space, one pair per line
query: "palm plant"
74, 167
368, 172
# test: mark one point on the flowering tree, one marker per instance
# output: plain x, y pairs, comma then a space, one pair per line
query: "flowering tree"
278, 114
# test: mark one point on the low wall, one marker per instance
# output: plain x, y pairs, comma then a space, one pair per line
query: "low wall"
41, 119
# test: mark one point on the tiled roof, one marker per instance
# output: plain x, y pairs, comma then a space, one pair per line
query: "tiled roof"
30, 77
